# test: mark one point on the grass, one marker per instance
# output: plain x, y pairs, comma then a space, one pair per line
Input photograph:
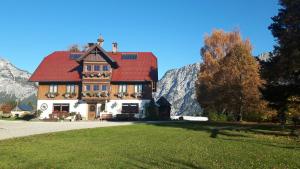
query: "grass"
167, 145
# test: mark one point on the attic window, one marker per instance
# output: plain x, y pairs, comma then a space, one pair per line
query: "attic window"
75, 56
129, 56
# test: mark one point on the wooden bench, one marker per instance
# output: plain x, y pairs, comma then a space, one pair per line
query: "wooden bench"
105, 116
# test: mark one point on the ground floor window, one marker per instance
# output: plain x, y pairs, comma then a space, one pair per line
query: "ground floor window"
61, 107
130, 108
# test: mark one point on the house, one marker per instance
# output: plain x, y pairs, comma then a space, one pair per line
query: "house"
21, 110
95, 83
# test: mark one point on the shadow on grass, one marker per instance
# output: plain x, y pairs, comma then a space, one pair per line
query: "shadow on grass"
270, 144
220, 128
236, 131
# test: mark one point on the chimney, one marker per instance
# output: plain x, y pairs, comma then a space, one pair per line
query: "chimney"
114, 47
100, 40
91, 44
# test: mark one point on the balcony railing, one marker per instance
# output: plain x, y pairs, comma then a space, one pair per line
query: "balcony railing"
104, 74
95, 95
125, 94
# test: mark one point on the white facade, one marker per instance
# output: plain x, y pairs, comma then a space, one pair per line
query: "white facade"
46, 106
113, 106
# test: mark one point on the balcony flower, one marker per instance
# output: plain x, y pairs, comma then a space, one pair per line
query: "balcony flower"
52, 94
137, 94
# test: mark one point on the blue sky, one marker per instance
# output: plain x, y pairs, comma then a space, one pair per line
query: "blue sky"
172, 30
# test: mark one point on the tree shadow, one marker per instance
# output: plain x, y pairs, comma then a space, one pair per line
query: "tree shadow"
235, 131
251, 141
216, 128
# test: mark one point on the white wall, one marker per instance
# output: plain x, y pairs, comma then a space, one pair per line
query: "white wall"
113, 106
75, 106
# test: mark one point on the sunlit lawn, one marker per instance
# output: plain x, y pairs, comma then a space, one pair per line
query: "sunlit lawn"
168, 145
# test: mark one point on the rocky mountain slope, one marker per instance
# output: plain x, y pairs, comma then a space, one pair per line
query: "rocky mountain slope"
178, 87
265, 57
14, 83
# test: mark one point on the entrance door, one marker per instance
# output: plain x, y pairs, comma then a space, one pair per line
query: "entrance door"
92, 112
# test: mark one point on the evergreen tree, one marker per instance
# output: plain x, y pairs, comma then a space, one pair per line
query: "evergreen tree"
283, 71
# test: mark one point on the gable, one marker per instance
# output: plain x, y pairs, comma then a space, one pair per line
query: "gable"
96, 53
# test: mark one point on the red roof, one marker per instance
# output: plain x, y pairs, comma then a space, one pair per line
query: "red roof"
59, 67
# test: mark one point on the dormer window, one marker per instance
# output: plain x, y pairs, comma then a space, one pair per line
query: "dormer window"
129, 56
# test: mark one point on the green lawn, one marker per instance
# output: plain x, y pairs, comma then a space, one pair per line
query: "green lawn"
171, 145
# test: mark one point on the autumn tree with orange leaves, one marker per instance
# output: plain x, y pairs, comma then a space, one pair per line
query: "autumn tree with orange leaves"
229, 81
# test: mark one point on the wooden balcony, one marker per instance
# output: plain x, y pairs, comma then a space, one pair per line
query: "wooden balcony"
93, 74
95, 96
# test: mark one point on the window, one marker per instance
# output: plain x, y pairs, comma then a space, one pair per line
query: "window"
138, 88
74, 56
71, 88
53, 88
88, 68
96, 68
87, 88
105, 68
129, 56
104, 87
122, 88
96, 87
130, 108
61, 107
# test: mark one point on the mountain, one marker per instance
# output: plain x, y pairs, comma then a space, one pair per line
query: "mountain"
264, 57
14, 84
178, 87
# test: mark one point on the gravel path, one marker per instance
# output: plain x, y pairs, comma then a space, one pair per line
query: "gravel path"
12, 129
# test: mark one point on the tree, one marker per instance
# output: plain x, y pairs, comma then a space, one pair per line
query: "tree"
283, 71
8, 106
74, 48
228, 81
216, 47
238, 83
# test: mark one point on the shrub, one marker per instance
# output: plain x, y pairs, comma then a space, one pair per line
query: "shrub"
293, 111
37, 113
213, 116
6, 115
263, 116
27, 116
